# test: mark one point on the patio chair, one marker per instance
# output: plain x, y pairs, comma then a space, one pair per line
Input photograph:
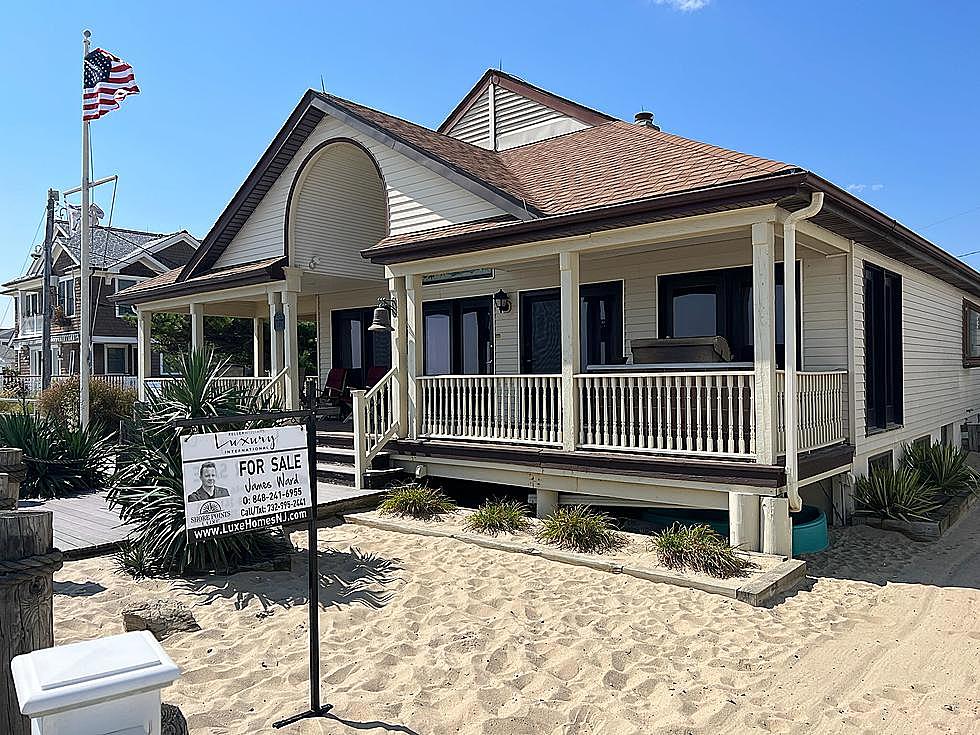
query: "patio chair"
335, 396
374, 374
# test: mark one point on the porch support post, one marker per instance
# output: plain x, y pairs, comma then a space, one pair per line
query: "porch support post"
568, 264
291, 348
275, 336
545, 502
144, 321
414, 352
744, 527
258, 347
777, 528
399, 353
197, 327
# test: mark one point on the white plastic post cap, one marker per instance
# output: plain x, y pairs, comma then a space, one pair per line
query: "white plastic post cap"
80, 674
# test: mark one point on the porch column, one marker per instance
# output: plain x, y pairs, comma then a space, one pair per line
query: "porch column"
414, 352
258, 347
275, 336
399, 353
197, 327
144, 321
568, 264
291, 347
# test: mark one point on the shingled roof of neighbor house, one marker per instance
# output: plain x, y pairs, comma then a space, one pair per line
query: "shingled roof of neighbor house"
611, 174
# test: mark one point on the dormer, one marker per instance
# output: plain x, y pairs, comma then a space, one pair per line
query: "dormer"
502, 111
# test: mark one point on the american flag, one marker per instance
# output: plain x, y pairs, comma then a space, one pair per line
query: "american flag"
108, 81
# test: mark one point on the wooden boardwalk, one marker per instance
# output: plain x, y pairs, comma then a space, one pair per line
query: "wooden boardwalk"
83, 524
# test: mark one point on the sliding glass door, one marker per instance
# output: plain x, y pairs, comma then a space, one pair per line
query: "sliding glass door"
358, 349
600, 328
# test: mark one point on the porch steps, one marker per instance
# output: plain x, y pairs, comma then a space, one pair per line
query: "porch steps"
335, 463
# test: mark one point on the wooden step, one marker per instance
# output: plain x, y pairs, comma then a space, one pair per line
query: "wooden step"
344, 475
339, 439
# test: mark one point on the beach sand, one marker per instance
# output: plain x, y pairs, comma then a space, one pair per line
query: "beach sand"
431, 636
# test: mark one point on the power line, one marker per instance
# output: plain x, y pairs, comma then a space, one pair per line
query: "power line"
953, 216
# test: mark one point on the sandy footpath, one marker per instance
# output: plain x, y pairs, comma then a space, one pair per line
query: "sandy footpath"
424, 635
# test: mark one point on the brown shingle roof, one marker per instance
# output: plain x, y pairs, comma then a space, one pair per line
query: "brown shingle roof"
160, 286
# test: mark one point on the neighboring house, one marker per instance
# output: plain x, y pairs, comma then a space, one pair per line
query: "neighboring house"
590, 308
119, 258
8, 357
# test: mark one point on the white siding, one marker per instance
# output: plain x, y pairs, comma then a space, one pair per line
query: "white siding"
339, 208
418, 198
474, 125
519, 120
824, 308
938, 390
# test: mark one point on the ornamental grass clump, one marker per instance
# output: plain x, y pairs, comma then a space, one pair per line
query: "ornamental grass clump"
579, 528
899, 495
698, 548
416, 500
942, 467
499, 516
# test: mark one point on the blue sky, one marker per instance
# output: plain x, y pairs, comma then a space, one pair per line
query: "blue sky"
877, 96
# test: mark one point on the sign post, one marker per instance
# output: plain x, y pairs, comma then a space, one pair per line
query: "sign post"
240, 481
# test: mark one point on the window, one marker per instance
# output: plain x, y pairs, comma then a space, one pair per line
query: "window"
947, 435
971, 334
30, 303
880, 462
882, 348
600, 327
66, 296
357, 348
116, 360
35, 361
125, 309
719, 303
169, 364
457, 336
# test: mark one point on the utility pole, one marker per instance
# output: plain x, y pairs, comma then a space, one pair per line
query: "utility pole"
85, 326
47, 310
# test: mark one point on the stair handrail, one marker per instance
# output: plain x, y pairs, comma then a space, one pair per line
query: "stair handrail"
374, 421
281, 375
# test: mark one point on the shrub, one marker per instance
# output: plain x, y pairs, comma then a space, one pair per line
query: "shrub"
500, 516
416, 500
148, 488
579, 528
698, 548
897, 494
58, 458
108, 404
943, 467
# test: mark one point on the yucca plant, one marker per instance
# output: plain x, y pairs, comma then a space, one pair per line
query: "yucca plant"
416, 500
148, 487
943, 467
499, 516
699, 548
580, 528
58, 458
896, 494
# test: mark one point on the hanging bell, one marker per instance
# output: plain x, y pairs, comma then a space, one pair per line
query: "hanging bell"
381, 321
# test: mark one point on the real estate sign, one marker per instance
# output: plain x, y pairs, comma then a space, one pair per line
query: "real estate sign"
237, 481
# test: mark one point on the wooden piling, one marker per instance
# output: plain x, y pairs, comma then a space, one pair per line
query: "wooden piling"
11, 473
27, 565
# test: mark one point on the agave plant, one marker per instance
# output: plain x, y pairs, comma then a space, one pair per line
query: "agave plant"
58, 457
897, 494
942, 466
148, 488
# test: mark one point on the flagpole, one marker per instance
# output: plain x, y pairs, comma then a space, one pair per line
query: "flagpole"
85, 325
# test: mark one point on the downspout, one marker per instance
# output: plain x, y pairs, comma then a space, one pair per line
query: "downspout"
790, 405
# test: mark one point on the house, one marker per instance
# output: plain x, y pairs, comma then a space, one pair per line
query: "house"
119, 258
589, 308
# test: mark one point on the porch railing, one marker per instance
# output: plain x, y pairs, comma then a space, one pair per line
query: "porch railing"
504, 408
31, 384
821, 406
683, 413
374, 420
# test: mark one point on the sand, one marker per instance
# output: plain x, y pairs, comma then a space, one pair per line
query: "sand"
425, 635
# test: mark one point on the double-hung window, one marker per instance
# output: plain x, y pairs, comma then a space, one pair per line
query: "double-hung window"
66, 296
125, 309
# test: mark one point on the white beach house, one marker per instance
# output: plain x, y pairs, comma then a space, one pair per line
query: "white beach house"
590, 308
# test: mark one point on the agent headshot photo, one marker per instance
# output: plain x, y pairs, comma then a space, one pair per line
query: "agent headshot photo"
208, 489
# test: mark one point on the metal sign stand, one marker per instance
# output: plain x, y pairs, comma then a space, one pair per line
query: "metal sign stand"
317, 709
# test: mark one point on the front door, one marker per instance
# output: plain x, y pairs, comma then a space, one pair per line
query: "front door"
458, 337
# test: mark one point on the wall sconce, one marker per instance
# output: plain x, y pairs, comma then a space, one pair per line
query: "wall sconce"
502, 300
382, 315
